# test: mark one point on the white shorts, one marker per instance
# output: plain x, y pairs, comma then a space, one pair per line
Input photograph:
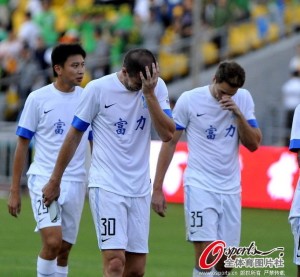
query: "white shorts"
71, 201
211, 216
121, 222
295, 225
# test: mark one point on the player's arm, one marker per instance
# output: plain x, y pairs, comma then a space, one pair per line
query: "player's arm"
298, 157
250, 136
164, 159
51, 190
162, 123
14, 199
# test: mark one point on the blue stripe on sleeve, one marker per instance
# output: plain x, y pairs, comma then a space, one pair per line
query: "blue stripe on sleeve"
253, 123
79, 124
90, 135
25, 133
168, 112
178, 127
294, 145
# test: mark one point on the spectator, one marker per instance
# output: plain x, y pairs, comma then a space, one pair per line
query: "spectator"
291, 98
294, 64
29, 77
97, 62
152, 31
29, 31
9, 51
46, 20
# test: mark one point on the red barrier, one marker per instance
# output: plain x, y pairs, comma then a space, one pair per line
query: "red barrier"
269, 176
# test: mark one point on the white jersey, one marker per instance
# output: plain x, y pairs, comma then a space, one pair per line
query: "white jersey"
47, 117
121, 126
295, 147
291, 93
212, 137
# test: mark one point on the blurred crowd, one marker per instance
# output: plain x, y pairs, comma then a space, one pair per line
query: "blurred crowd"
107, 29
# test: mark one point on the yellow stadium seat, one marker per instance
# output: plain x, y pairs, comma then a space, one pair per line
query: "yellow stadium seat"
84, 4
62, 18
253, 36
238, 41
18, 17
165, 60
86, 78
273, 33
209, 52
258, 10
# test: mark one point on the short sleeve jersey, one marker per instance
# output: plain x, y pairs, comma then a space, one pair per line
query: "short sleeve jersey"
121, 126
212, 137
47, 117
295, 147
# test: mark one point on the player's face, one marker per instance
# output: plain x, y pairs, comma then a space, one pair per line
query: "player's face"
222, 90
132, 83
73, 70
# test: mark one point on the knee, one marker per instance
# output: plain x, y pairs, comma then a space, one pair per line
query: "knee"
52, 243
50, 248
116, 266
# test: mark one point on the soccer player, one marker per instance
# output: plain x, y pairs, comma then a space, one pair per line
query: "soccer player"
294, 216
216, 119
121, 108
46, 117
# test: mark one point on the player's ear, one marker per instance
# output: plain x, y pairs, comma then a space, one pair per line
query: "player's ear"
124, 71
57, 69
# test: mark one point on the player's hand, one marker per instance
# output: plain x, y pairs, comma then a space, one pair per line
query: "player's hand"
14, 203
227, 103
149, 83
51, 192
158, 203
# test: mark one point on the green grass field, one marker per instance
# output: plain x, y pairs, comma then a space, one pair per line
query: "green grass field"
170, 255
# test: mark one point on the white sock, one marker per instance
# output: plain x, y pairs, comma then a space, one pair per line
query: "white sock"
62, 271
46, 267
197, 273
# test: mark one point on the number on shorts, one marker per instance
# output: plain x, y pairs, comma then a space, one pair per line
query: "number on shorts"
197, 219
42, 209
109, 226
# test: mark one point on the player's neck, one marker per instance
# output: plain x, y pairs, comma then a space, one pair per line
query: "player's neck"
212, 91
63, 87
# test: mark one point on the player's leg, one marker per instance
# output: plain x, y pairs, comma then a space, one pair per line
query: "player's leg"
295, 226
199, 247
50, 232
110, 212
71, 201
201, 218
229, 227
51, 243
135, 264
62, 268
138, 235
113, 262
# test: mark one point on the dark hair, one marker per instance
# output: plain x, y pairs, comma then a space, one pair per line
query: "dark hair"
136, 59
62, 52
231, 73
